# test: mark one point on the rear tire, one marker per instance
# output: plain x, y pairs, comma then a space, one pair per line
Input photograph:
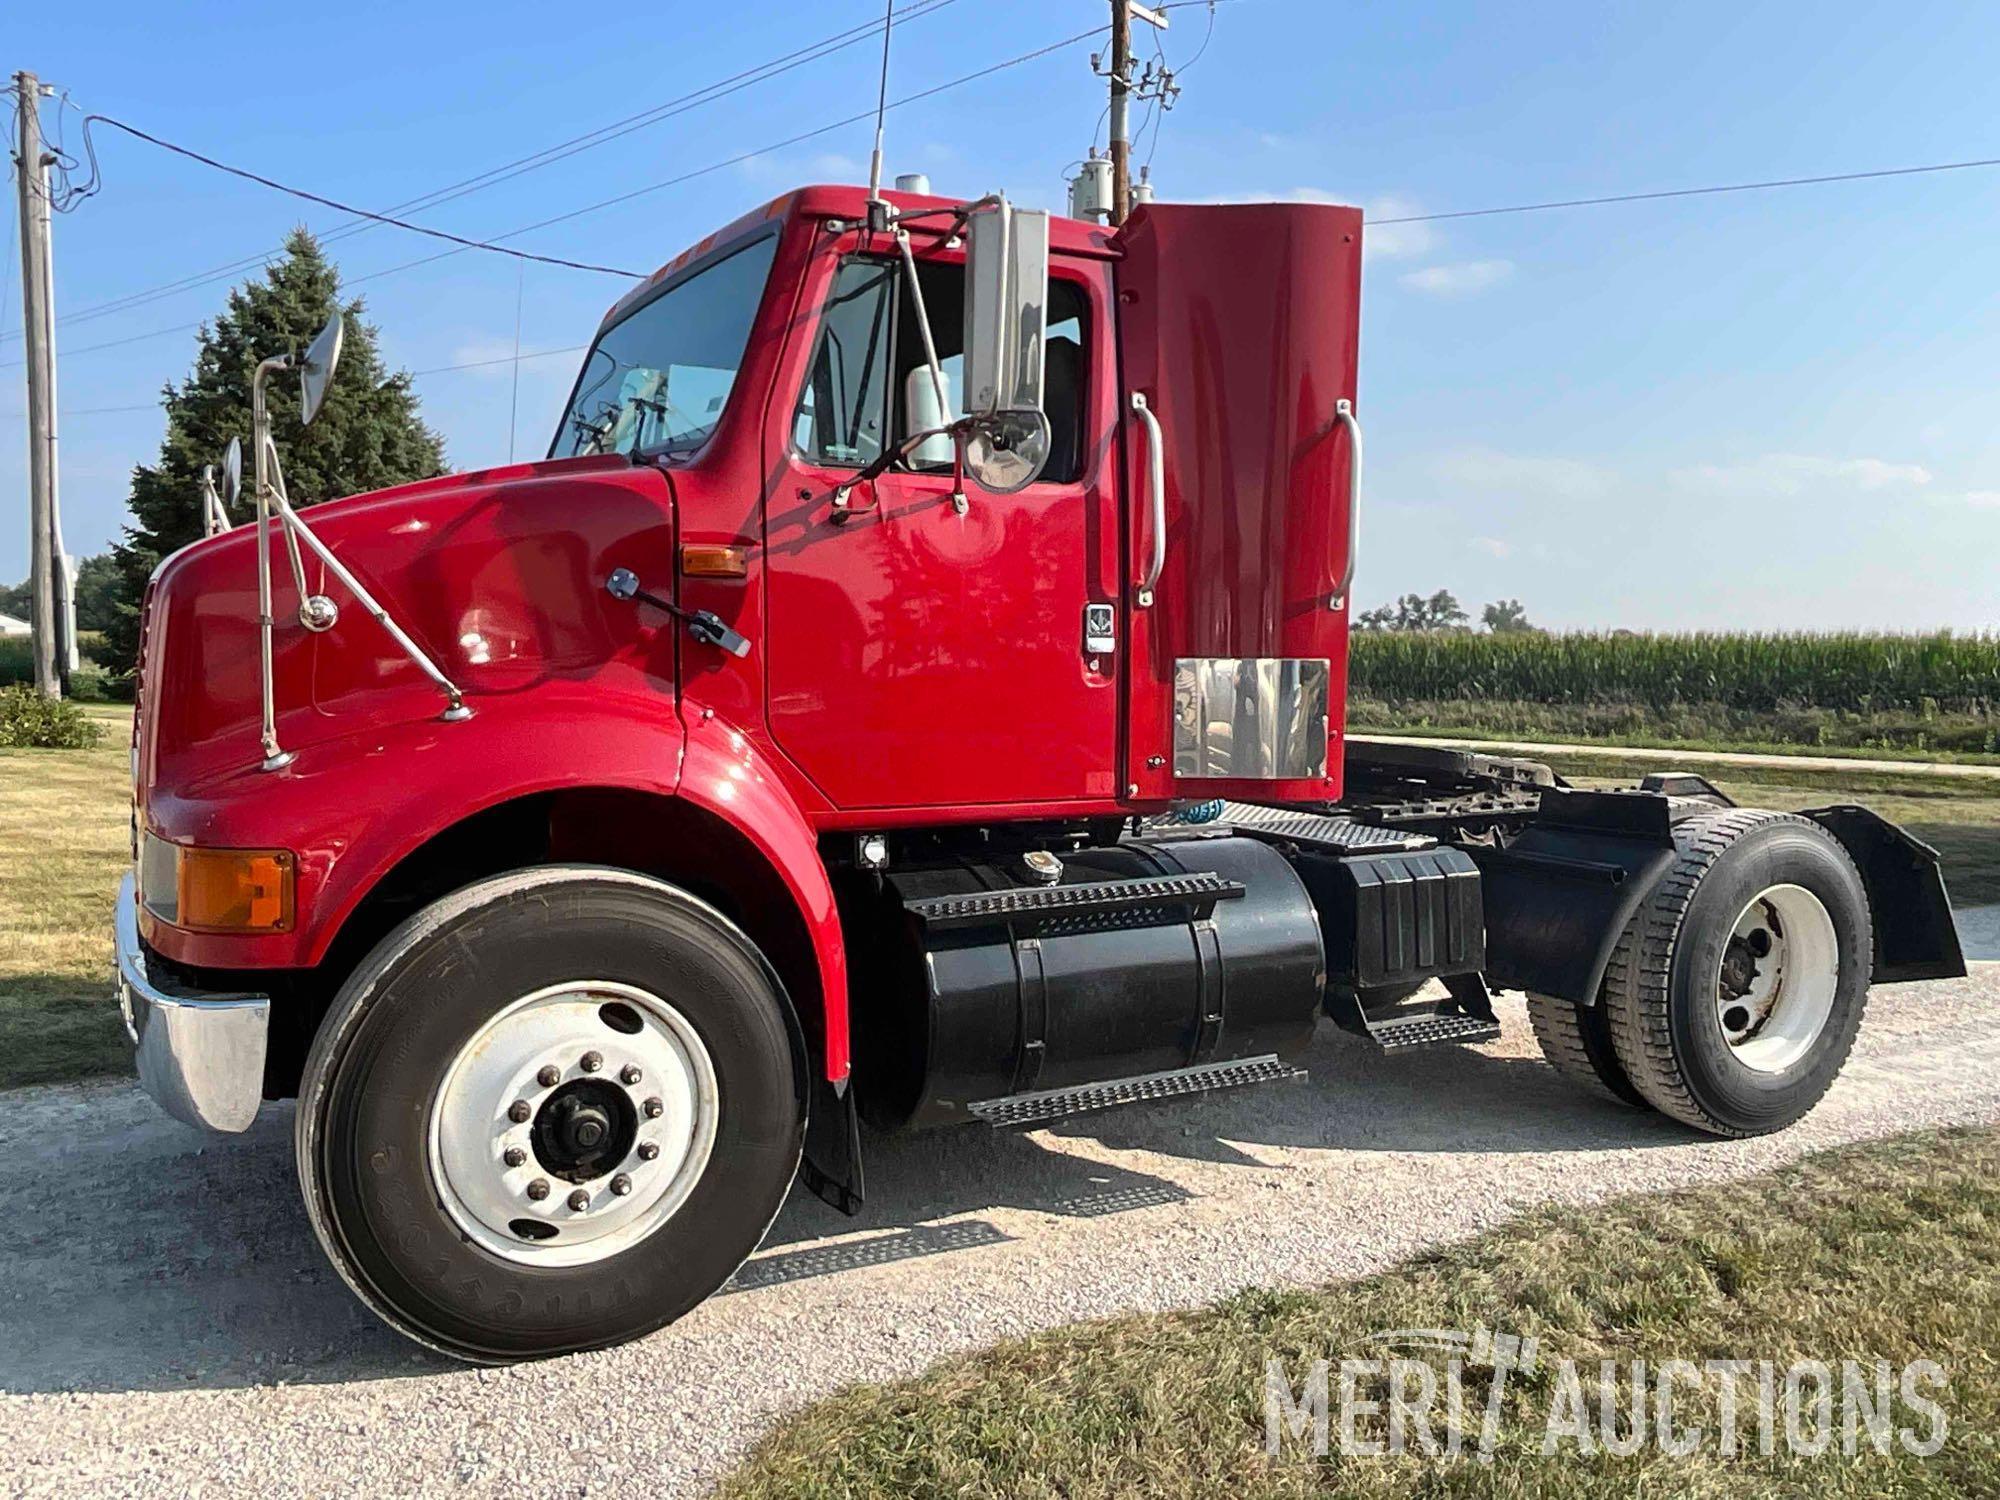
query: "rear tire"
1734, 996
1576, 1039
551, 1112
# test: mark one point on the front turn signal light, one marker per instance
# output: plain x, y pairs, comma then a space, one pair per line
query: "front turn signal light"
221, 890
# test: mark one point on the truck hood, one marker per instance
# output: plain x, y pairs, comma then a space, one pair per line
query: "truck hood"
497, 574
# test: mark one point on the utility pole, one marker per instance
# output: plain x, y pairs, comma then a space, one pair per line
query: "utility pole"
1123, 12
1121, 85
37, 328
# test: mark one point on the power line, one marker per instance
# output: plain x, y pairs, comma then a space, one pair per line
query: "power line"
626, 197
348, 208
603, 135
504, 359
1693, 192
471, 364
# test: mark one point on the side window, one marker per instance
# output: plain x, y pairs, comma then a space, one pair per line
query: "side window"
842, 411
869, 376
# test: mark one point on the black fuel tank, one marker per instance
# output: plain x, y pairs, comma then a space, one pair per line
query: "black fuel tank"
973, 982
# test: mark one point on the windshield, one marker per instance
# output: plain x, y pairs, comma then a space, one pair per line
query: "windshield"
657, 379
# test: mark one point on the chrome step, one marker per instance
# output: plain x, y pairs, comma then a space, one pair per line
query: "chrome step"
1057, 1104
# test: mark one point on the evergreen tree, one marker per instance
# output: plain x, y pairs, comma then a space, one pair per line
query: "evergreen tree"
367, 435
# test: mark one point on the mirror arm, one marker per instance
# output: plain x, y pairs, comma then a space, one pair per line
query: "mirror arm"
843, 494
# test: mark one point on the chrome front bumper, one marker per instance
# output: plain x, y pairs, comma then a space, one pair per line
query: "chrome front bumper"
200, 1055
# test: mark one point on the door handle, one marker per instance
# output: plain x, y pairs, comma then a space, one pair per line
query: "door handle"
1343, 413
1156, 489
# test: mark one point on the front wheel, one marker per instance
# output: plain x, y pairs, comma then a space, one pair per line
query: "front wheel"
1734, 996
551, 1112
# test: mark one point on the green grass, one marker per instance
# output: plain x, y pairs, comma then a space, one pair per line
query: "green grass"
1887, 1251
1882, 735
63, 845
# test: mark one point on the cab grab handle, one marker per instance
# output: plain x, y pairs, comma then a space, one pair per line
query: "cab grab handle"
1156, 491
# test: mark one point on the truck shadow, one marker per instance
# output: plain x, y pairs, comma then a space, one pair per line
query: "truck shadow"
153, 1258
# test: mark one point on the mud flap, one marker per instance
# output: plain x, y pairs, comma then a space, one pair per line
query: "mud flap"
831, 1169
1560, 894
1914, 934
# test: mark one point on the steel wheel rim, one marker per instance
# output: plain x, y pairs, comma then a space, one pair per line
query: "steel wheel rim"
519, 1206
1777, 979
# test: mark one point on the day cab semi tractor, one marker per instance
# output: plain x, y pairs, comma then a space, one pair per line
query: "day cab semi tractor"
819, 735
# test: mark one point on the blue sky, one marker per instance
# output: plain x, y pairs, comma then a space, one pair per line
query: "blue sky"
1769, 410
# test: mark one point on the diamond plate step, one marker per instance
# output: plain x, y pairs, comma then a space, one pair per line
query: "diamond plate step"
1076, 906
1057, 1104
1430, 1030
1330, 832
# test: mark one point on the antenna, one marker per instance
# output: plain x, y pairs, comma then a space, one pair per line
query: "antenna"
877, 208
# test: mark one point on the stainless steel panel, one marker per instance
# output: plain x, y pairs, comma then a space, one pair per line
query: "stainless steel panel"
1252, 718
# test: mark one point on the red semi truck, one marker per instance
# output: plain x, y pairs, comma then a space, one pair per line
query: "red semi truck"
591, 845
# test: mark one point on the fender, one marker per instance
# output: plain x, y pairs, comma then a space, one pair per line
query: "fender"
1904, 883
351, 809
723, 773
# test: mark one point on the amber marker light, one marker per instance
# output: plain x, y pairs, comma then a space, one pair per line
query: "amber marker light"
700, 560
218, 890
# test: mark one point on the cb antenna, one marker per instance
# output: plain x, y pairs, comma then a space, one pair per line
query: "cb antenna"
878, 208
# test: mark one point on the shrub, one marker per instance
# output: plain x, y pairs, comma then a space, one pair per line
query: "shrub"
28, 721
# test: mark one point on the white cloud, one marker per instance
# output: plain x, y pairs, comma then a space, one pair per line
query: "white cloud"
1983, 499
1532, 474
1460, 280
1492, 546
1797, 474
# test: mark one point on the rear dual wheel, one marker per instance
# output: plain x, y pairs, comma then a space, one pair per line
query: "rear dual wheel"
1733, 997
551, 1112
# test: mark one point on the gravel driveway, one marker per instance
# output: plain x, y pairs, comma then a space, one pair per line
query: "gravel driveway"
167, 1325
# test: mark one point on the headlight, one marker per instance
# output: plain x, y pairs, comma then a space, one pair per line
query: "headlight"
216, 890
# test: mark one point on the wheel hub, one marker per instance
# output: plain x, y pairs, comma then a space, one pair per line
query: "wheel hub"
573, 1123
584, 1129
1775, 985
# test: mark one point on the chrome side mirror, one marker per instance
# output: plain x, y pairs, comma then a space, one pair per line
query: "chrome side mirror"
316, 369
232, 473
1006, 334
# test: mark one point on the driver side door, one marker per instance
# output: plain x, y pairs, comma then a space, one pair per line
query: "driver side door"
922, 653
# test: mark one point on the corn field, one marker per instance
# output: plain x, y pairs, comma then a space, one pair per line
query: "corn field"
1855, 673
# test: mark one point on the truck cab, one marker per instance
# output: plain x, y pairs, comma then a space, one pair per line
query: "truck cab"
911, 688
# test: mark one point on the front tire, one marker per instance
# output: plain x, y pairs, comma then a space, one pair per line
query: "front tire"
551, 1112
1734, 996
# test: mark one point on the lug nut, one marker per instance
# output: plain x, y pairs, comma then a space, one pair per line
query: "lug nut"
519, 1112
630, 1074
654, 1109
648, 1150
579, 1200
513, 1156
549, 1076
621, 1184
538, 1189
592, 1061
